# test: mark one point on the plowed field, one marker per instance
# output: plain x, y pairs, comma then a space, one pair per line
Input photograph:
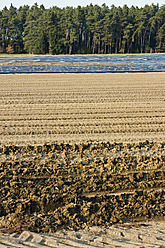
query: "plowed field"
80, 150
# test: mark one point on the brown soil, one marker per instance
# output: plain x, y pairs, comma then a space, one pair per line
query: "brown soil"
56, 186
81, 150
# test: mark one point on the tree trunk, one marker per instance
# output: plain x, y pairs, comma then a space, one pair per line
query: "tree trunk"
70, 49
105, 48
116, 46
110, 48
99, 46
93, 47
141, 44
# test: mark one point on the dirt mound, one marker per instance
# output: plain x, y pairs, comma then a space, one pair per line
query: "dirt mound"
72, 186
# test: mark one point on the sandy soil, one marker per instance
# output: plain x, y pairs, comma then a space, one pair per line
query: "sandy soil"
75, 107
142, 235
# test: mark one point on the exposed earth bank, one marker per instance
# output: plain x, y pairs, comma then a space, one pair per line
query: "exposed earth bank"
55, 186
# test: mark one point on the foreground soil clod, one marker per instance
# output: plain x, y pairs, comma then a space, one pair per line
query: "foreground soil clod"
55, 186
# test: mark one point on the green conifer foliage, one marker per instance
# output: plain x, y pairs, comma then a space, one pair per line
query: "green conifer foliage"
92, 29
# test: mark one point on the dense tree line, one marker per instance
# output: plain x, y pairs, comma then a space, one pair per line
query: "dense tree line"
91, 29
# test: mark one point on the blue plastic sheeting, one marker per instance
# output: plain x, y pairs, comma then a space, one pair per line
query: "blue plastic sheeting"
83, 64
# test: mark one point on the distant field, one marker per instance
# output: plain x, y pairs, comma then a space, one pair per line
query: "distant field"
81, 150
77, 107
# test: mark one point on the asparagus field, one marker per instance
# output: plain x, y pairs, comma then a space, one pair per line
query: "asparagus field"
80, 150
79, 107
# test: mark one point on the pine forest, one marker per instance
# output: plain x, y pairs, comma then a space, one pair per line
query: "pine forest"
83, 30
